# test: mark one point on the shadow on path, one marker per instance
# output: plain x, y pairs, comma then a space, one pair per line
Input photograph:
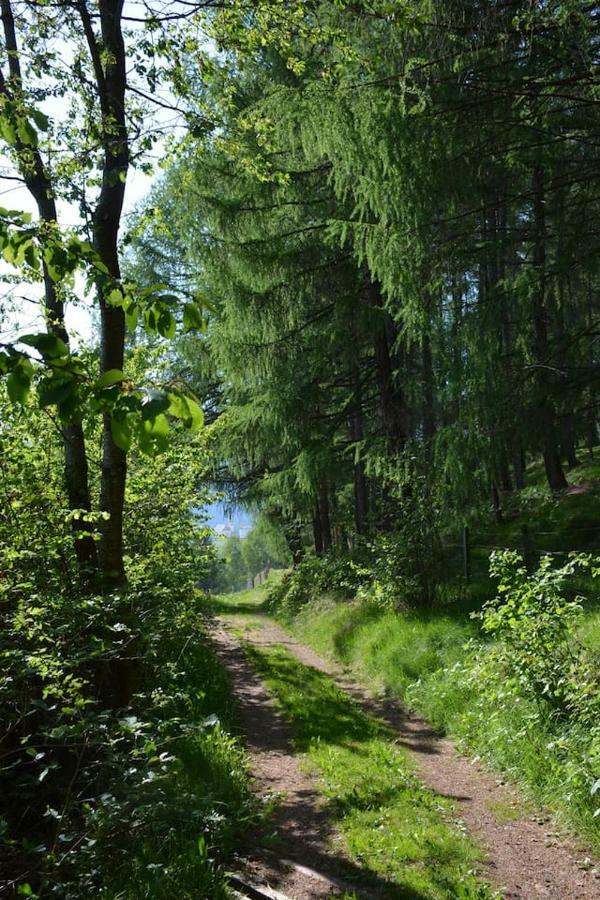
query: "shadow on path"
526, 859
304, 830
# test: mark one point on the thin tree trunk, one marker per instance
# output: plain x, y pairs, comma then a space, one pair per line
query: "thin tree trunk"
361, 499
547, 419
40, 187
428, 391
324, 516
496, 505
504, 471
317, 530
567, 418
111, 78
519, 469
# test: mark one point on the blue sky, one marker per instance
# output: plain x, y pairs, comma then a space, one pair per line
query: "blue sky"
218, 513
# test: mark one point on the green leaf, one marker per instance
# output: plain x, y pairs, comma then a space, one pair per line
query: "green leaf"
192, 318
154, 403
48, 345
112, 376
178, 406
115, 297
186, 409
54, 393
27, 132
196, 415
150, 319
153, 435
18, 386
121, 433
18, 382
166, 324
131, 316
41, 119
7, 131
31, 256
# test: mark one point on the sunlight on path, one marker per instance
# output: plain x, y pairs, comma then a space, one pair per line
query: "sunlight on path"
525, 859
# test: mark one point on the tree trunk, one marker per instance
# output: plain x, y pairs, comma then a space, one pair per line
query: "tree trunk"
547, 419
428, 391
109, 61
392, 403
504, 471
361, 499
111, 80
567, 418
324, 516
519, 469
317, 531
496, 505
38, 183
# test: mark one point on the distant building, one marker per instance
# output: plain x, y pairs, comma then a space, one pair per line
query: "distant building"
225, 529
229, 529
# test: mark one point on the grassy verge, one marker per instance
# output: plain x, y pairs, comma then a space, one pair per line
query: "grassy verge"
426, 660
401, 834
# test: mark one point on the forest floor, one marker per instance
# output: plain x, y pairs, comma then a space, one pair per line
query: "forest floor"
321, 748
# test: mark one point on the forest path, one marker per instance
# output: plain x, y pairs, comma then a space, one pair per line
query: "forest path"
526, 857
303, 864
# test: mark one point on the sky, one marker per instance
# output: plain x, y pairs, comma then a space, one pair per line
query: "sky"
218, 514
26, 315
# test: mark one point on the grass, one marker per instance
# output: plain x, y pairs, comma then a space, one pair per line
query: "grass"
425, 657
422, 659
398, 832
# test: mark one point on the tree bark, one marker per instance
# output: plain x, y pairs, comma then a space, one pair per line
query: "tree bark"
39, 185
428, 391
324, 516
361, 497
111, 80
317, 530
391, 399
547, 418
519, 468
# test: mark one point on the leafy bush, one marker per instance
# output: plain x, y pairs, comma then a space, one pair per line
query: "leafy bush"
529, 699
100, 799
534, 622
315, 577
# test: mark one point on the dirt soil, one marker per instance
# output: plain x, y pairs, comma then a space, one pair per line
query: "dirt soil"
303, 863
526, 857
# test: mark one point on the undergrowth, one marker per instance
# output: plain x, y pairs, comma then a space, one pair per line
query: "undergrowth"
119, 777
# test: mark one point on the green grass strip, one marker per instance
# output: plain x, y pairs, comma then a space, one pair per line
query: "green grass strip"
390, 824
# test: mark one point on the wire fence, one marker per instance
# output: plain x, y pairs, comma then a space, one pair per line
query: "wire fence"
469, 554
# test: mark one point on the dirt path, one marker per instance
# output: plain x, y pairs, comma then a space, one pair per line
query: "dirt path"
303, 864
526, 860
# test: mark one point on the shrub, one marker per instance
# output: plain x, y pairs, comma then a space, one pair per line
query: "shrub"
534, 622
315, 577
